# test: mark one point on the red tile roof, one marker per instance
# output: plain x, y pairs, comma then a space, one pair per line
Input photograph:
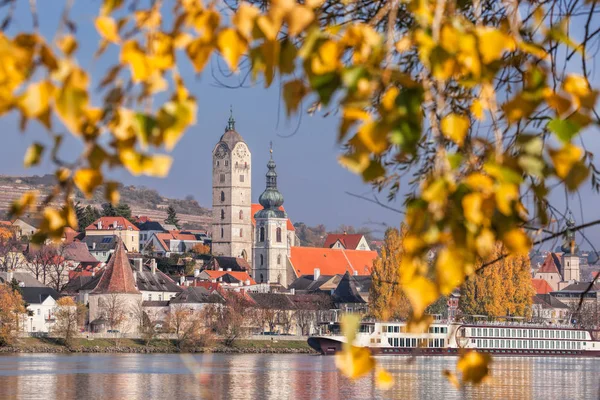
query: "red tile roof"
350, 242
331, 261
257, 207
238, 275
108, 224
117, 276
69, 234
140, 219
551, 264
541, 286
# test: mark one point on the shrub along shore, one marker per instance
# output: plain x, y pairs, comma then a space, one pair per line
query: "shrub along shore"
49, 345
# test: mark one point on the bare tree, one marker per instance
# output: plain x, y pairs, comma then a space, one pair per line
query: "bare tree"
58, 269
69, 317
177, 320
285, 319
11, 255
230, 321
39, 262
114, 311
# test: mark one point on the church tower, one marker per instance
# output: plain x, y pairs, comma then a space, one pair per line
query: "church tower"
232, 224
271, 246
570, 258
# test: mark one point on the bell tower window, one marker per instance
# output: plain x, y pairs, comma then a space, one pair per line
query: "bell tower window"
226, 163
262, 261
222, 195
278, 235
262, 234
222, 233
222, 214
279, 259
222, 178
241, 214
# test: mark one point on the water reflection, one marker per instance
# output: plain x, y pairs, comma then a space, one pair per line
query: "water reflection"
271, 377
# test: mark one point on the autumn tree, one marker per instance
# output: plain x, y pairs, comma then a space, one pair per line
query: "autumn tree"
500, 289
12, 309
177, 320
69, 317
114, 310
39, 262
230, 320
172, 217
386, 298
11, 255
201, 248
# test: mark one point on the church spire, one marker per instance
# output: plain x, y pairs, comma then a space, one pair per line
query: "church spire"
231, 121
271, 198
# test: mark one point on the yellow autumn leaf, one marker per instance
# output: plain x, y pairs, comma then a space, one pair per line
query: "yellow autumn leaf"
485, 242
298, 19
354, 362
350, 324
455, 127
493, 43
53, 221
134, 56
107, 28
174, 117
477, 110
326, 59
244, 18
474, 366
87, 180
69, 216
199, 51
33, 155
71, 103
421, 292
268, 27
450, 270
517, 241
472, 204
373, 137
383, 379
232, 46
36, 99
67, 44
111, 192
356, 161
565, 158
506, 194
157, 165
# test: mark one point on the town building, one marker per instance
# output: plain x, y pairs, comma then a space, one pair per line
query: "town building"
25, 226
163, 244
117, 226
354, 241
41, 303
101, 247
147, 229
231, 192
115, 293
547, 308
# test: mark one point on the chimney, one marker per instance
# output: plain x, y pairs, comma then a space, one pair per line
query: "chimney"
115, 224
316, 274
93, 245
355, 273
292, 291
135, 277
196, 272
247, 282
229, 269
220, 269
181, 280
153, 266
100, 224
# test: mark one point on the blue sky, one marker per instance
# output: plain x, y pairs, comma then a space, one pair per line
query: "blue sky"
313, 183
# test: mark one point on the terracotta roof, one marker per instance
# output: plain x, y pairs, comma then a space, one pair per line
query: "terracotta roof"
349, 242
551, 265
331, 261
238, 275
108, 224
541, 286
117, 276
69, 234
140, 219
257, 207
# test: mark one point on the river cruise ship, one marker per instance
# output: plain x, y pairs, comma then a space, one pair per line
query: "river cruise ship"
502, 339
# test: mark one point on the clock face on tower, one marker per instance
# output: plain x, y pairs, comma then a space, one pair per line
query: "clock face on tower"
221, 151
241, 151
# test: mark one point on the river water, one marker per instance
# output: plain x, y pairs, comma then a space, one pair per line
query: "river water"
280, 376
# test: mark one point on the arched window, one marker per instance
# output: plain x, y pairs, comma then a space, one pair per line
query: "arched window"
222, 178
244, 255
222, 214
279, 278
241, 232
222, 196
236, 164
262, 234
262, 261
241, 214
261, 278
279, 259
278, 235
246, 165
217, 163
222, 233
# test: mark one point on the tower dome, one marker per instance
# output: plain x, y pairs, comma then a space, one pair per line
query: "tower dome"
231, 137
569, 246
271, 199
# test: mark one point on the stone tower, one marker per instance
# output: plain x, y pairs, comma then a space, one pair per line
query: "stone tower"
570, 258
271, 245
232, 187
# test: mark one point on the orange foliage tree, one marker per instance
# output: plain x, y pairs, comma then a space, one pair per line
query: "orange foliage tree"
12, 308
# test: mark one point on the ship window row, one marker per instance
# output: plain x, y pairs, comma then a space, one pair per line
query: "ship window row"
526, 344
402, 342
528, 333
398, 329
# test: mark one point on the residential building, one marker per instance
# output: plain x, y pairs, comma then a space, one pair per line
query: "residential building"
550, 271
152, 283
25, 226
346, 297
354, 241
173, 242
101, 247
547, 308
41, 305
147, 229
117, 226
231, 191
572, 294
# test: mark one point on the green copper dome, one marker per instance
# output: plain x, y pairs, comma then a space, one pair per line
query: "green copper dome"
271, 199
